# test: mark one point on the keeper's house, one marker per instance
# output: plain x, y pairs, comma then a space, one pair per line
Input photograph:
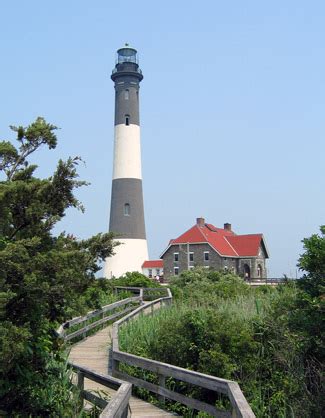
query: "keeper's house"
218, 248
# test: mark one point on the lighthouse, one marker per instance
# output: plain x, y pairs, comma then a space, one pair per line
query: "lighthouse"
127, 211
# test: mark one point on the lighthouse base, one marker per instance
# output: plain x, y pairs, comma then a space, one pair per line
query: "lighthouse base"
129, 256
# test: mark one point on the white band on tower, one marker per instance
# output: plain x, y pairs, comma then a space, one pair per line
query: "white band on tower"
127, 152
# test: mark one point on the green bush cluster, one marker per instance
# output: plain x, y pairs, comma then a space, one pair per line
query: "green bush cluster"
134, 279
221, 326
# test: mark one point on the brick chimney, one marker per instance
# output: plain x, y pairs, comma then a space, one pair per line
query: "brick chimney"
227, 226
200, 222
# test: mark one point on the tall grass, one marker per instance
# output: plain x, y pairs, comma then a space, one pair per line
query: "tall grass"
136, 336
243, 337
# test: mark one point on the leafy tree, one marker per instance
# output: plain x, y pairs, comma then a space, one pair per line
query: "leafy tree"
42, 276
307, 318
313, 263
134, 279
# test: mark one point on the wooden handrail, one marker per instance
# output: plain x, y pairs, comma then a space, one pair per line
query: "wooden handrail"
117, 407
240, 406
63, 328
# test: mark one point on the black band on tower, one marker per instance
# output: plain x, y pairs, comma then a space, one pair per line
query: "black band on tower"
127, 101
127, 213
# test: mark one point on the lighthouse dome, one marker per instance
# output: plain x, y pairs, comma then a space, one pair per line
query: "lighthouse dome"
127, 54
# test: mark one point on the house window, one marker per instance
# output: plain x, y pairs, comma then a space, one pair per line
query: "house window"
176, 256
126, 94
150, 273
127, 120
191, 256
176, 270
127, 209
206, 255
157, 272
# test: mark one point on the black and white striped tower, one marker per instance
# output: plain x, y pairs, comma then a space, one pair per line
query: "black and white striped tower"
127, 212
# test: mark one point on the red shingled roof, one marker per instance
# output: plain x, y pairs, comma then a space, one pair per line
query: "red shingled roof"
224, 241
153, 264
246, 245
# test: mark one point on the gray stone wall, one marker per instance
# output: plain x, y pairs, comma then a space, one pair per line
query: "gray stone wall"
253, 263
232, 264
215, 260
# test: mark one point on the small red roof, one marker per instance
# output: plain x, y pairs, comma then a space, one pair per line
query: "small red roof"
153, 264
224, 241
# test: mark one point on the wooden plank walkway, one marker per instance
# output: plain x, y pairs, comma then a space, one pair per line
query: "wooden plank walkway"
92, 353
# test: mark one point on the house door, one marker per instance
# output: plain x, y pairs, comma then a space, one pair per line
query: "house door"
247, 272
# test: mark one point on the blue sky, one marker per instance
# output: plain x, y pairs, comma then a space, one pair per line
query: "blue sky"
232, 109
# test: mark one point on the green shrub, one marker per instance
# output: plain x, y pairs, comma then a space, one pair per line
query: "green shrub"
134, 279
220, 326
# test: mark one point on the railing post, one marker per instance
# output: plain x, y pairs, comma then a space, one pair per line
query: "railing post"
161, 383
103, 324
115, 366
80, 385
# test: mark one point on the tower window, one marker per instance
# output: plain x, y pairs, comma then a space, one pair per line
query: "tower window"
127, 209
126, 94
127, 120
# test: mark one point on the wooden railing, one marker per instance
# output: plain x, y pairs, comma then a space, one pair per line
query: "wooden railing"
240, 407
89, 321
148, 293
269, 281
118, 405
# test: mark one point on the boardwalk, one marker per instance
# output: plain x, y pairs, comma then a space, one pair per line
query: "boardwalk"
93, 354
